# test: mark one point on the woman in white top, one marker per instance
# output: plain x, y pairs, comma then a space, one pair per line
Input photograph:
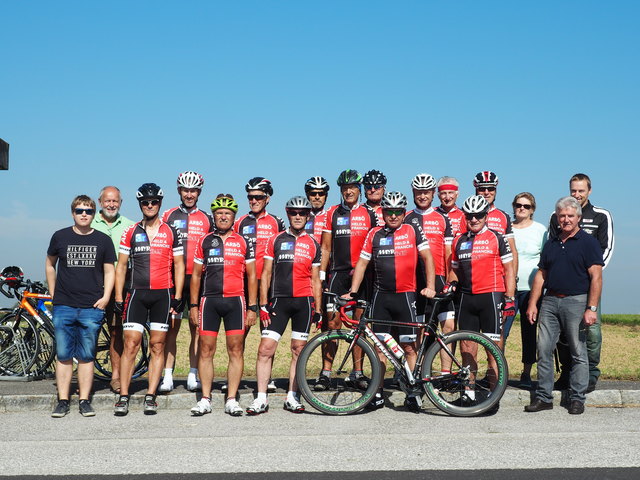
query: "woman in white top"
530, 236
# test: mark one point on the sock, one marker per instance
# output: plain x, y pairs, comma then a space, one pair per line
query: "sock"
262, 396
326, 373
291, 395
355, 373
168, 373
193, 371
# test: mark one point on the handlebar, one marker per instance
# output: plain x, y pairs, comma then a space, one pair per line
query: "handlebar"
16, 285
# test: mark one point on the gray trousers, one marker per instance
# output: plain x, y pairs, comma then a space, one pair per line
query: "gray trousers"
562, 315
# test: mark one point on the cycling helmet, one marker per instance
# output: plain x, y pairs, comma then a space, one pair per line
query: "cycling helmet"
149, 191
374, 177
423, 181
349, 177
298, 202
259, 183
475, 204
316, 183
224, 201
485, 179
394, 200
190, 179
12, 276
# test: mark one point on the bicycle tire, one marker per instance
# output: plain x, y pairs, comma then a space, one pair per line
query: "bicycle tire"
451, 394
19, 345
47, 352
103, 370
339, 399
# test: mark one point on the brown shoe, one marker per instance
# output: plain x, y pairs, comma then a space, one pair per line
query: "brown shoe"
576, 408
538, 405
115, 385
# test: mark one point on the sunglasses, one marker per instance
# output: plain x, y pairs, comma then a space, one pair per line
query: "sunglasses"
375, 186
256, 197
80, 211
317, 194
299, 213
486, 189
393, 211
477, 216
526, 206
149, 203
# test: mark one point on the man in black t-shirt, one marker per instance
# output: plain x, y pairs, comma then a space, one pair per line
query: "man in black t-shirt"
81, 289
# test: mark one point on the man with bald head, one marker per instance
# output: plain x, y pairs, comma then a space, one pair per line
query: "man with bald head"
109, 221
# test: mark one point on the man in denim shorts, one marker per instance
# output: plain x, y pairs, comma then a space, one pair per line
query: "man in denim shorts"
81, 288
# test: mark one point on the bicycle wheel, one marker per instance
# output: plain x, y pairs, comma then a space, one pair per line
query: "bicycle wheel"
103, 368
338, 399
47, 352
19, 345
472, 387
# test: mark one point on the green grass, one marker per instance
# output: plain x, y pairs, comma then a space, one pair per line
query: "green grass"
620, 319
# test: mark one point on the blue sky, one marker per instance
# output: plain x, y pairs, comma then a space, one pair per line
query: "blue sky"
129, 92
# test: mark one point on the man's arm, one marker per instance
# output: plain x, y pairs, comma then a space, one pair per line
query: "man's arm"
252, 291
358, 274
121, 274
595, 289
50, 272
316, 288
265, 280
326, 254
509, 279
194, 293
534, 296
109, 280
430, 273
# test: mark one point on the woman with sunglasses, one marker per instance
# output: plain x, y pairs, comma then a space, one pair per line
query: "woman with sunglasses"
530, 236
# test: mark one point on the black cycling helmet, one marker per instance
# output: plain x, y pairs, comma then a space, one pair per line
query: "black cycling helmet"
149, 191
12, 275
485, 179
259, 183
349, 177
316, 183
374, 177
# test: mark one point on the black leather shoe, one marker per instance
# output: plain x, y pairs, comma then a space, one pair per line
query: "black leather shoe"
562, 383
592, 386
576, 408
538, 405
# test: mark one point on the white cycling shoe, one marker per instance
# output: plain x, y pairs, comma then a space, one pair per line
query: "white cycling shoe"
202, 408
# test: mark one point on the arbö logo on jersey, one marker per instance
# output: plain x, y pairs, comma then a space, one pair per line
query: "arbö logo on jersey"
161, 235
199, 223
482, 242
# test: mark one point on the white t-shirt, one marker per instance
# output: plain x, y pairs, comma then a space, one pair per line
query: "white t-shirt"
529, 242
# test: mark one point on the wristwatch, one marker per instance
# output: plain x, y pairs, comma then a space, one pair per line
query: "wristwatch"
509, 299
191, 305
253, 308
592, 308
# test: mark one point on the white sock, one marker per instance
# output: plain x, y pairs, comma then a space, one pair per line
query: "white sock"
291, 395
168, 373
262, 396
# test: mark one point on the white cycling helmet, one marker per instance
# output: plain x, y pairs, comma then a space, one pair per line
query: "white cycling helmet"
316, 183
423, 181
394, 200
190, 179
475, 204
298, 202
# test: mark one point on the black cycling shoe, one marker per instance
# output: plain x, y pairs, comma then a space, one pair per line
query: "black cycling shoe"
359, 382
376, 403
413, 404
322, 383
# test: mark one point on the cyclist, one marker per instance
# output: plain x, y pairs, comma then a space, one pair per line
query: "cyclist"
394, 250
191, 223
81, 288
259, 226
224, 261
347, 226
374, 183
290, 289
316, 189
154, 247
482, 264
110, 222
448, 191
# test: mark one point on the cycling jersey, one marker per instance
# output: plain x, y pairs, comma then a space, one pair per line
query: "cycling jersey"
478, 260
151, 262
456, 218
191, 226
258, 230
223, 264
348, 228
378, 211
437, 229
499, 221
395, 256
293, 257
315, 225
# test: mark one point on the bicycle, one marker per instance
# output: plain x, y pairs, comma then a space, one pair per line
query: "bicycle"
469, 387
103, 355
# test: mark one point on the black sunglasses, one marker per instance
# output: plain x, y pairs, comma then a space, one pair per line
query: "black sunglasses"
88, 211
374, 186
526, 206
478, 216
149, 203
317, 194
256, 197
486, 189
300, 213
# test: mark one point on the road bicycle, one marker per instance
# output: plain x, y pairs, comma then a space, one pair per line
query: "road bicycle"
463, 373
103, 355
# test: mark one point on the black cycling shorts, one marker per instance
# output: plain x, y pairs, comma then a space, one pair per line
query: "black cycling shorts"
298, 309
481, 312
186, 296
214, 309
144, 305
424, 305
400, 307
340, 283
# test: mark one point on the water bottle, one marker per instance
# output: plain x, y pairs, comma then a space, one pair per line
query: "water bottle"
392, 345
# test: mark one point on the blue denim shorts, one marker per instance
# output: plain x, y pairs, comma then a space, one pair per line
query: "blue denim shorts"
76, 332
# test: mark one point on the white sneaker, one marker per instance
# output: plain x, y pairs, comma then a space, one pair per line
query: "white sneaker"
293, 405
257, 407
202, 407
166, 386
271, 387
193, 384
233, 408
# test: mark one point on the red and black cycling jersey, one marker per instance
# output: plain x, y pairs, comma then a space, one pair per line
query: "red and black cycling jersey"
437, 229
315, 225
378, 211
258, 230
223, 264
456, 218
191, 226
395, 256
348, 229
151, 262
499, 221
293, 258
478, 258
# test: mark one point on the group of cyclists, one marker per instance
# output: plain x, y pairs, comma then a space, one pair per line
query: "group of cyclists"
253, 268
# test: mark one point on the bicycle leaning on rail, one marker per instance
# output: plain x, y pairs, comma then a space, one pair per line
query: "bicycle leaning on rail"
473, 384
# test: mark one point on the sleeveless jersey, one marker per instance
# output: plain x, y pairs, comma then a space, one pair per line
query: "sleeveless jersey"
292, 258
151, 262
478, 260
395, 256
258, 230
499, 221
437, 229
316, 224
191, 226
348, 229
223, 264
456, 218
